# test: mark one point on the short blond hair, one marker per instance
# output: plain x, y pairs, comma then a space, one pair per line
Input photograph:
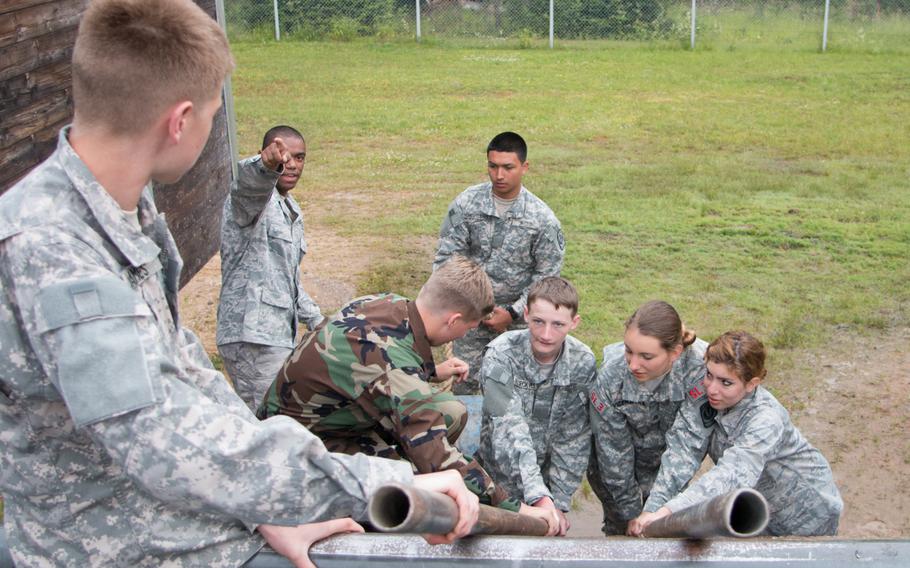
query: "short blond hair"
135, 58
460, 285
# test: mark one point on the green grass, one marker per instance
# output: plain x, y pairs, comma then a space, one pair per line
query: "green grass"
765, 190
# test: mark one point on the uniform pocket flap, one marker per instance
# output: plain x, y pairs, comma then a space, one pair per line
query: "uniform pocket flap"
71, 302
277, 299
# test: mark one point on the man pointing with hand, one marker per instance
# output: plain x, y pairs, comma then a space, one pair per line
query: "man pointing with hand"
262, 245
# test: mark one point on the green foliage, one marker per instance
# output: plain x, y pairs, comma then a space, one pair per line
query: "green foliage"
764, 190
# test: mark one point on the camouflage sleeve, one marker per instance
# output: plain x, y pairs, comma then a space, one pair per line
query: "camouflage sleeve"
548, 250
510, 441
128, 387
740, 466
252, 190
418, 422
200, 370
687, 444
615, 457
307, 310
572, 450
453, 236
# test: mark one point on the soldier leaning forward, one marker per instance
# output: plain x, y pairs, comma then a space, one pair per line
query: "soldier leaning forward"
362, 381
535, 438
639, 390
511, 233
753, 444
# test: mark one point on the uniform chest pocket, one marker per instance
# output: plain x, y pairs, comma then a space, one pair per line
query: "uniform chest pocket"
280, 232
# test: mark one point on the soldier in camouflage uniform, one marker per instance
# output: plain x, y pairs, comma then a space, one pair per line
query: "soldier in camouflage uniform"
122, 446
535, 437
753, 444
363, 381
511, 233
640, 387
262, 245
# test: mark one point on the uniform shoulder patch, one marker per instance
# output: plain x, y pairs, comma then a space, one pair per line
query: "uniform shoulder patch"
598, 404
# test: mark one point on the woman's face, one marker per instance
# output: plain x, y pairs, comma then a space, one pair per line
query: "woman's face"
724, 387
647, 360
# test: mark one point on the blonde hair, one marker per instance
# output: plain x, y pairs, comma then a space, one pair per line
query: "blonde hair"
460, 285
135, 58
556, 290
741, 352
661, 321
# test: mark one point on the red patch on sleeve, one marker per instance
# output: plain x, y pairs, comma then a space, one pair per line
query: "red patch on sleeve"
695, 393
598, 405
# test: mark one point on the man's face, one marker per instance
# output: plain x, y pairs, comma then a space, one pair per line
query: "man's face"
293, 168
505, 171
549, 327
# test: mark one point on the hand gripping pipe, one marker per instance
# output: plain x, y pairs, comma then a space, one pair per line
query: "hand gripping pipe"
739, 513
397, 508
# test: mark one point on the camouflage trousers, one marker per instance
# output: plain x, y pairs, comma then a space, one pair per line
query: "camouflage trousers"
613, 522
381, 443
252, 368
470, 350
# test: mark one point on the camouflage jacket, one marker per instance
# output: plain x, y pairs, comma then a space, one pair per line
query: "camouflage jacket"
535, 438
524, 245
262, 245
367, 370
630, 422
121, 445
754, 444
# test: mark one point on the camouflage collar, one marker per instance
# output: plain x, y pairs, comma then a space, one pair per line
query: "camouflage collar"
673, 387
421, 341
731, 417
561, 375
132, 244
517, 209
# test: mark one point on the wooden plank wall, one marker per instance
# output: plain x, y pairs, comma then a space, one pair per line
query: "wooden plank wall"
36, 46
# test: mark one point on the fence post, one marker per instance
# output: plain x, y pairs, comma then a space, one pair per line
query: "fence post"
825, 28
417, 3
551, 24
277, 23
692, 38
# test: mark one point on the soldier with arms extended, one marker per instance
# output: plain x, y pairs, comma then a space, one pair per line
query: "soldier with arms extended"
511, 233
262, 245
363, 382
640, 388
753, 443
122, 446
535, 438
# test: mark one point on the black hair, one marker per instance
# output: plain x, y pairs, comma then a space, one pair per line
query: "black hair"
509, 142
280, 131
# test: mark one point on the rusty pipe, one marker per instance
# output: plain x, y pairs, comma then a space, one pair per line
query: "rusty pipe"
398, 508
740, 513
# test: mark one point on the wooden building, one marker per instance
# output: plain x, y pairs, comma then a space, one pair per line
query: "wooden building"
36, 46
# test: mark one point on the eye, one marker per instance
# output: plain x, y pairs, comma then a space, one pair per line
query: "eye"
647, 356
726, 383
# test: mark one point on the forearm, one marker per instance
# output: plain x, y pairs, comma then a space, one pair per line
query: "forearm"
252, 190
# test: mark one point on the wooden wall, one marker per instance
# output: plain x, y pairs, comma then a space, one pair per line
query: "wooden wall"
36, 46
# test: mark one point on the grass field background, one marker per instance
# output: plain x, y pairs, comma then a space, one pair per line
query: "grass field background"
763, 189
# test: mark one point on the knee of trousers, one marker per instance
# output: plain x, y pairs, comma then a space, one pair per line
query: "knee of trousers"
455, 414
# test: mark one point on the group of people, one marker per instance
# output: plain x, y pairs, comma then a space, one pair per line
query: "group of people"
123, 445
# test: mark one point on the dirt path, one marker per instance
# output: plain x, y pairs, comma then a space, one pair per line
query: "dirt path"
854, 395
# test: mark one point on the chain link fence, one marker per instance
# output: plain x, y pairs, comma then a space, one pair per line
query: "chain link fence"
868, 25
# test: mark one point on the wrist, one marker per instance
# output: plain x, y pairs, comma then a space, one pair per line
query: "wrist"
513, 313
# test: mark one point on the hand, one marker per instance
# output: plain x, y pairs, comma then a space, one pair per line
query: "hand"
547, 503
637, 525
499, 320
294, 542
454, 367
549, 515
275, 154
451, 484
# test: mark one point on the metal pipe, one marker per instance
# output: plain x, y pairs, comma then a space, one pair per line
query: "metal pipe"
402, 509
277, 22
825, 27
740, 513
417, 17
551, 24
692, 27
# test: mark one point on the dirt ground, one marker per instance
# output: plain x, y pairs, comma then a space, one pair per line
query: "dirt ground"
853, 397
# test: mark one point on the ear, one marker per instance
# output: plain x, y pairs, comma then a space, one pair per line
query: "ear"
753, 384
524, 167
576, 319
453, 318
676, 352
177, 120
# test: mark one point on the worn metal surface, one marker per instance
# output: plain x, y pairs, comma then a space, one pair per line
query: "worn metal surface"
398, 508
740, 513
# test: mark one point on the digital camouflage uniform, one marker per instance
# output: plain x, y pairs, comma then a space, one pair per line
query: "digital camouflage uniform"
629, 423
754, 444
121, 446
361, 383
516, 249
535, 438
262, 245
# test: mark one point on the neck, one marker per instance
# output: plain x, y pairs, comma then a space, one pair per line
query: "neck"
512, 194
431, 323
546, 359
115, 161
